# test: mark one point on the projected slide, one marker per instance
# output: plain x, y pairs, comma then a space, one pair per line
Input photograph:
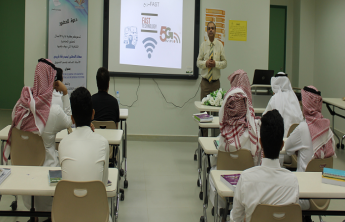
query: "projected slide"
151, 33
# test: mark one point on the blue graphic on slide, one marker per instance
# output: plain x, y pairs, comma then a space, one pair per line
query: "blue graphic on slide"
150, 44
131, 37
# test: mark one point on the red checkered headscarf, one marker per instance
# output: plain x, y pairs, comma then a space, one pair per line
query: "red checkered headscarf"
237, 113
320, 133
239, 79
32, 109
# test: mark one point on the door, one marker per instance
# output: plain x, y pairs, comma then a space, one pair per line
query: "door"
277, 41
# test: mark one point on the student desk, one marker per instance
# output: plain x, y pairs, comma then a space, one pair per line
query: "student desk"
210, 125
310, 187
33, 181
261, 88
215, 109
3, 138
209, 148
123, 118
339, 103
114, 137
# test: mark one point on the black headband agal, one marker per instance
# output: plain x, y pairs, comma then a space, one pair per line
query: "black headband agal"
281, 75
312, 90
47, 62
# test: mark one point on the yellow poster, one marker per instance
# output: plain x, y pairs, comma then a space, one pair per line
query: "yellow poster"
237, 30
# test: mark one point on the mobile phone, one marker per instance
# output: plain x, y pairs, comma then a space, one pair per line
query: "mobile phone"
216, 143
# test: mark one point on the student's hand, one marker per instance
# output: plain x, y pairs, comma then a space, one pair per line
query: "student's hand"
92, 127
60, 87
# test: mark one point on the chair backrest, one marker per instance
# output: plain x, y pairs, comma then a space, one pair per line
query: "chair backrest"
104, 124
282, 213
80, 202
291, 129
240, 160
27, 149
317, 165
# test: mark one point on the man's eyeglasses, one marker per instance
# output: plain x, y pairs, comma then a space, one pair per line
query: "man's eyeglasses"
209, 28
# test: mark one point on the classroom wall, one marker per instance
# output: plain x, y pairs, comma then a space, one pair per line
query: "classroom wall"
306, 42
296, 42
151, 115
329, 68
12, 52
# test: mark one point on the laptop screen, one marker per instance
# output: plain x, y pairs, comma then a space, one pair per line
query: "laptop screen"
262, 77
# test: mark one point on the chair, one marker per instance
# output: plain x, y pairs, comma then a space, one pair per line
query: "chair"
317, 165
240, 160
111, 125
104, 124
27, 149
281, 213
293, 164
80, 202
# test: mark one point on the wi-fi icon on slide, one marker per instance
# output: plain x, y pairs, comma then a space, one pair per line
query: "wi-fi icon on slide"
150, 44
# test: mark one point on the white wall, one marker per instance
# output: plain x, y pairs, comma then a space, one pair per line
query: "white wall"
306, 44
35, 46
329, 68
151, 115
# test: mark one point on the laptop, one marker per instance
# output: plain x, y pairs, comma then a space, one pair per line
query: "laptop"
262, 77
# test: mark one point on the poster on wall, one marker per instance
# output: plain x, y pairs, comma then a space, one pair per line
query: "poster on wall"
218, 17
237, 30
67, 40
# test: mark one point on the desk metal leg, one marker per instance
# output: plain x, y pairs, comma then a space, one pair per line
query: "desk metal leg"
205, 186
216, 206
227, 206
2, 151
32, 219
124, 156
338, 145
197, 152
199, 170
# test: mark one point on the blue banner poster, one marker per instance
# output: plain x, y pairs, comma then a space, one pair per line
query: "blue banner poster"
67, 40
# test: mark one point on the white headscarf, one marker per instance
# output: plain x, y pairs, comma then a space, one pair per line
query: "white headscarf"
285, 101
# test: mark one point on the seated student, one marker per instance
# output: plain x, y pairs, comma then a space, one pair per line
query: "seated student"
44, 118
56, 94
268, 183
83, 154
238, 127
285, 101
313, 138
104, 104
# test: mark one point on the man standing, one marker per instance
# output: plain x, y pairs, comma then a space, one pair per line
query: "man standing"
211, 59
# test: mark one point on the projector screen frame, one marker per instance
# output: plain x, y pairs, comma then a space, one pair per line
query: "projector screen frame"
152, 75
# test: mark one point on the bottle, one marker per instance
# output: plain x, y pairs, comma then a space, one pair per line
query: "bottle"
118, 97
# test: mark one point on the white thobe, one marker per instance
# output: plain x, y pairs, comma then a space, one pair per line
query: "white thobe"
84, 156
265, 184
285, 101
300, 140
57, 98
